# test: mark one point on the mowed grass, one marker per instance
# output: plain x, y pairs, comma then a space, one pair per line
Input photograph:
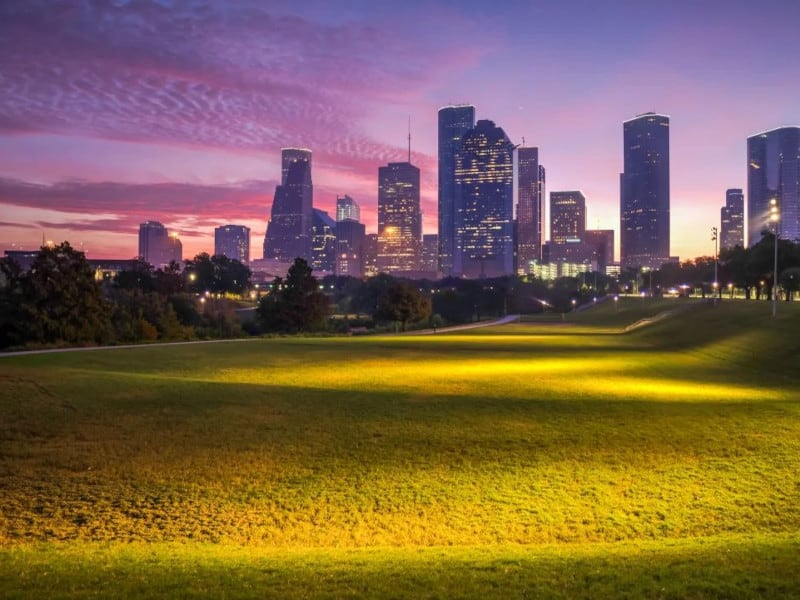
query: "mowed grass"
527, 460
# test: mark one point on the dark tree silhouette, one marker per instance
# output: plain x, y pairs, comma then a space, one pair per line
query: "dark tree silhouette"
295, 304
403, 302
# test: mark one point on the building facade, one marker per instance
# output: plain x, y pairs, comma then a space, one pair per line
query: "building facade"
233, 241
157, 246
567, 216
644, 192
349, 248
773, 173
289, 229
484, 203
732, 220
454, 122
323, 242
530, 191
399, 218
430, 253
347, 209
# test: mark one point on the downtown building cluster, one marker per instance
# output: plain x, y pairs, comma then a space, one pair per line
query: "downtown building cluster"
479, 236
481, 233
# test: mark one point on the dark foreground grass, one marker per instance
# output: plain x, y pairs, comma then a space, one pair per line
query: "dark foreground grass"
530, 460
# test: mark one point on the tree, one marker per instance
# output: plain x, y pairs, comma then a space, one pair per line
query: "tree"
295, 304
403, 302
218, 274
58, 300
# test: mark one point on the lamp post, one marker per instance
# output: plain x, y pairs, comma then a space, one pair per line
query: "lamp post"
774, 216
714, 237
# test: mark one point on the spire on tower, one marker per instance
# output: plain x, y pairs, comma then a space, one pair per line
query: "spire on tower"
409, 139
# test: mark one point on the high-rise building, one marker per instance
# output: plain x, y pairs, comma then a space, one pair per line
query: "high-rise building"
484, 200
157, 246
732, 220
454, 122
349, 248
323, 242
369, 254
289, 230
530, 186
601, 244
430, 253
399, 218
773, 173
233, 241
347, 208
644, 192
567, 216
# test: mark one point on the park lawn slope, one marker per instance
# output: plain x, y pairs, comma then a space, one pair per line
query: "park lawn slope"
528, 441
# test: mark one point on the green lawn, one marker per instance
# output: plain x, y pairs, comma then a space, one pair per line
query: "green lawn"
530, 460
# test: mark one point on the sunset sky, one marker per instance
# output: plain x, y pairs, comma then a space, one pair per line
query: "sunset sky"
117, 112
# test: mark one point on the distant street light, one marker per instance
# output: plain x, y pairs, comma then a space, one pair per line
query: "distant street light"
616, 303
714, 238
775, 215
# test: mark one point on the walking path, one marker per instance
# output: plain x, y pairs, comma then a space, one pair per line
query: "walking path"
504, 320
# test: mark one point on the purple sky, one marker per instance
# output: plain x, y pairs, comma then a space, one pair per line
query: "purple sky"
116, 112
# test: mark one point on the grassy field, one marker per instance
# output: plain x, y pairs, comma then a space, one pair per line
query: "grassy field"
529, 460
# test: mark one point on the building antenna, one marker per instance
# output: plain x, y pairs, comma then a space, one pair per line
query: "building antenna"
523, 141
409, 139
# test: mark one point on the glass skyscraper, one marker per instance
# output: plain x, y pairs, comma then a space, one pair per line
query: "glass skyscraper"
399, 218
773, 173
567, 216
289, 230
454, 122
530, 186
233, 241
644, 192
732, 220
484, 203
157, 246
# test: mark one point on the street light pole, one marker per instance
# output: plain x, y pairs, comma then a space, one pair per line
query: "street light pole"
775, 215
714, 237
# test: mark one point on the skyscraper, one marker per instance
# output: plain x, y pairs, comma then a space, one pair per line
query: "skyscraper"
157, 246
567, 216
399, 218
454, 122
773, 173
347, 208
323, 242
289, 230
644, 192
349, 248
732, 220
484, 198
530, 185
430, 253
233, 241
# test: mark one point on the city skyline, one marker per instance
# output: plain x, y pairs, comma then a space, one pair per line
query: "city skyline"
103, 128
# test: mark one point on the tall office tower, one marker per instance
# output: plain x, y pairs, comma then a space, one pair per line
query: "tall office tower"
484, 244
773, 173
349, 248
430, 253
157, 246
399, 218
644, 192
369, 255
289, 229
347, 208
567, 216
600, 243
732, 220
323, 242
530, 186
454, 122
233, 241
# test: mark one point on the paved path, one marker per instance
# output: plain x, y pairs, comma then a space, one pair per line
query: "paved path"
502, 321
